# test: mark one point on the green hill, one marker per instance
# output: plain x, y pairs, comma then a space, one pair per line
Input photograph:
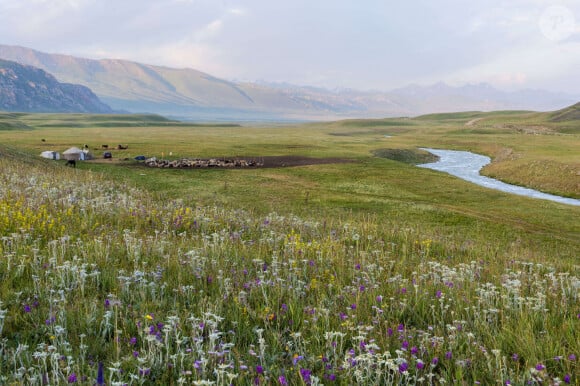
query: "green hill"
571, 113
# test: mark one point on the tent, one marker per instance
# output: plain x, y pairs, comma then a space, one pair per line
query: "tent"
74, 153
50, 155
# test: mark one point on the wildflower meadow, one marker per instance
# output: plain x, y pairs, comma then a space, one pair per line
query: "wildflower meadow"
104, 284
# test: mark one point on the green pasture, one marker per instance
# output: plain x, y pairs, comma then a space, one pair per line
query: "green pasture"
368, 271
370, 184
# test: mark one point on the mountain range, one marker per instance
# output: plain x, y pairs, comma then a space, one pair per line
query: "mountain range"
191, 94
30, 89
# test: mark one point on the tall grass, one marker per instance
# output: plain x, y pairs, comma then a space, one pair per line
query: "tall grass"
103, 284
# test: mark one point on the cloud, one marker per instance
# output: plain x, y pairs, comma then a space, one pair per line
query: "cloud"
237, 11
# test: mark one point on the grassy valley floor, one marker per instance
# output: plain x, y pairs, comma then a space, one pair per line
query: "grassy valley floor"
371, 271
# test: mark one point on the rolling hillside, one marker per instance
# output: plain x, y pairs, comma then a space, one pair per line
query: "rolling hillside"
571, 113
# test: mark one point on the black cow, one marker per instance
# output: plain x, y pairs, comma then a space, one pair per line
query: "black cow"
72, 163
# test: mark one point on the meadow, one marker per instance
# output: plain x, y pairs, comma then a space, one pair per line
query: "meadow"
371, 271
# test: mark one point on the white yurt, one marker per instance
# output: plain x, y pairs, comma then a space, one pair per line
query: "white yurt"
50, 155
74, 153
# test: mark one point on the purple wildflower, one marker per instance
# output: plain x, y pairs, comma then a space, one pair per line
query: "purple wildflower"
259, 369
403, 367
389, 331
379, 299
282, 380
540, 367
405, 345
403, 290
72, 378
100, 375
567, 379
515, 357
133, 341
135, 354
27, 308
107, 303
434, 361
438, 294
414, 350
401, 327
305, 374
144, 372
571, 357
420, 365
353, 306
448, 355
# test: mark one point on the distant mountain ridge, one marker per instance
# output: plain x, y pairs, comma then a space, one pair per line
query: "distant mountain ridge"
29, 89
188, 93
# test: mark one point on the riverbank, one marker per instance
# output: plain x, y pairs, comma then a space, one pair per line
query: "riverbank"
467, 166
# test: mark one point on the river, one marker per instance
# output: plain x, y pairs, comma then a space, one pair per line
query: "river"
467, 165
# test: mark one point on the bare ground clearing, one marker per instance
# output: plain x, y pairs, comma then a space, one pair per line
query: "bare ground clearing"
260, 162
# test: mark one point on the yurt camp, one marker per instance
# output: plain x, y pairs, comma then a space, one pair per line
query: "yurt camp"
55, 155
74, 153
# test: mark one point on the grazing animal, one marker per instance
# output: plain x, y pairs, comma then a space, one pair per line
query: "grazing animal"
121, 147
105, 146
72, 163
43, 140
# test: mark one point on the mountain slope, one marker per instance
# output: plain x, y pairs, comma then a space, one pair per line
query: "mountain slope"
29, 89
571, 113
188, 93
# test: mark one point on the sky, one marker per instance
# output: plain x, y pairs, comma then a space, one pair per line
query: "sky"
359, 44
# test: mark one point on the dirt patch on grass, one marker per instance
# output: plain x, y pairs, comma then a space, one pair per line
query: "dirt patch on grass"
256, 162
291, 160
528, 129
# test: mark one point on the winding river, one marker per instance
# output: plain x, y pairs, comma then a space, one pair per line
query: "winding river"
466, 165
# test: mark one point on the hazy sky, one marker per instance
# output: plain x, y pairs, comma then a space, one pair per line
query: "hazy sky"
364, 44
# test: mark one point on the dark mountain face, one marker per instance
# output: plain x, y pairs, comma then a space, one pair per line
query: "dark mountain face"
30, 89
